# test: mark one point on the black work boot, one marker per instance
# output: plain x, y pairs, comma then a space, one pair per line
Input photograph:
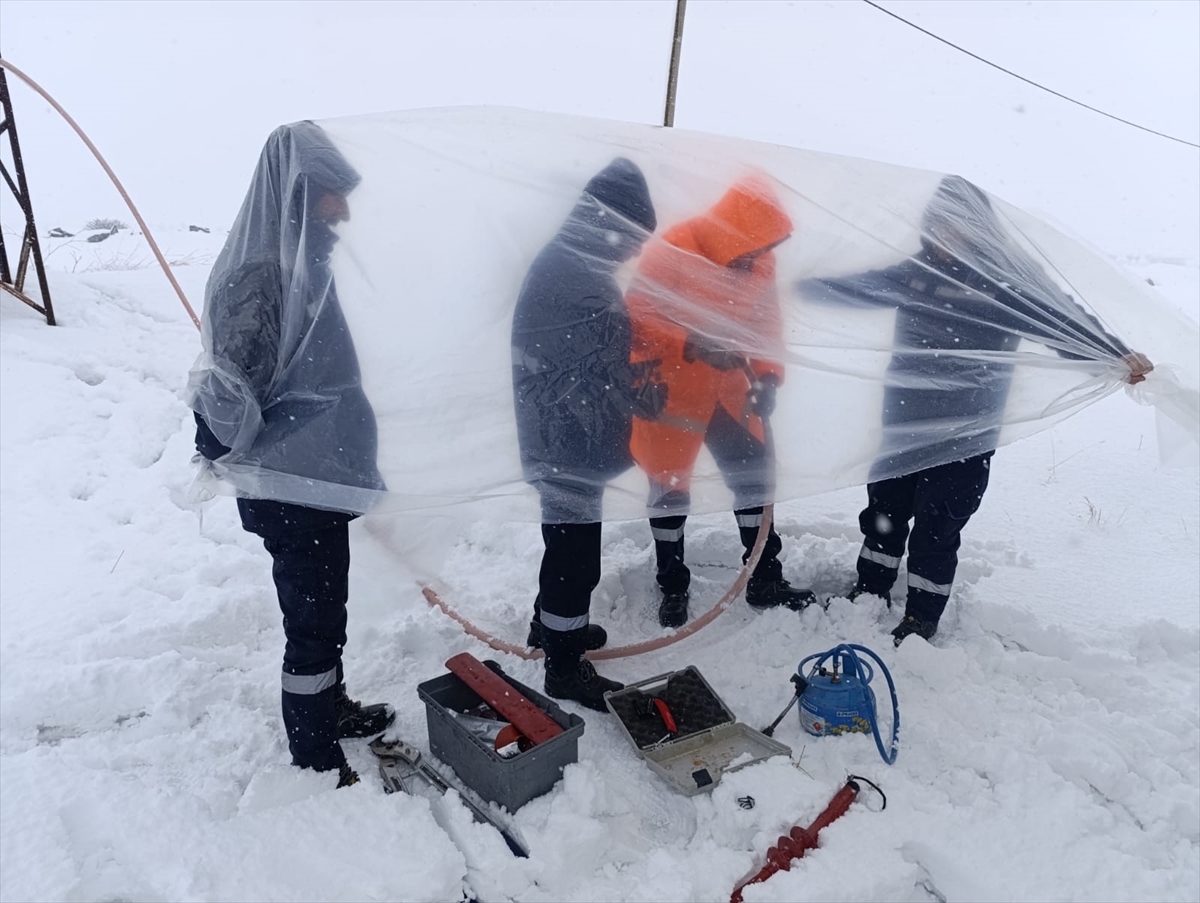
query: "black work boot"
910, 625
357, 720
673, 609
597, 636
922, 611
347, 776
569, 675
861, 589
767, 588
770, 593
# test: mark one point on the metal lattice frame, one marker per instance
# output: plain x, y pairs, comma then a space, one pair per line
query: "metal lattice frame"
12, 283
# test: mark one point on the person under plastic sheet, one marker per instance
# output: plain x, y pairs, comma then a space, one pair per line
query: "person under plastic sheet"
964, 302
704, 307
576, 390
278, 387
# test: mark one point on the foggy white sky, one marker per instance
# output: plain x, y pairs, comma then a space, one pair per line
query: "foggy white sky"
179, 96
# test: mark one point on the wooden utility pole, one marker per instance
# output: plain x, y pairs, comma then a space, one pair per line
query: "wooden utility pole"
673, 74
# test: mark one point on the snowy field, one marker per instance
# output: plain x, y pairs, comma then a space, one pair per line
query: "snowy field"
1051, 731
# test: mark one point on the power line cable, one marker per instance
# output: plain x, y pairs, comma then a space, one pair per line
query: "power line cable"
1026, 80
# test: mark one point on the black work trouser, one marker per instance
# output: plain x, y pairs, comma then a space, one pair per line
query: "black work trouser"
938, 501
673, 574
747, 467
570, 571
310, 550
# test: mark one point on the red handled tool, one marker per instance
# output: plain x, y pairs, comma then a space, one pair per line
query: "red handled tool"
665, 714
653, 706
799, 841
506, 699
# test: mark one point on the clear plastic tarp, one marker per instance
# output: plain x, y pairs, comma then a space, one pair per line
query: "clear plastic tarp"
492, 313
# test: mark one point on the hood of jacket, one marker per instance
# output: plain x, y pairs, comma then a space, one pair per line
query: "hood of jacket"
749, 217
614, 215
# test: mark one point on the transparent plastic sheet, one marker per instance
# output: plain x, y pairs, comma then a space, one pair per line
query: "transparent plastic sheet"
532, 316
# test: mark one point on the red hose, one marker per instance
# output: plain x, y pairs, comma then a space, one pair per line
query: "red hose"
739, 583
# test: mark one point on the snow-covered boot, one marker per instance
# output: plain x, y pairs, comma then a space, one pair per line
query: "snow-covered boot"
357, 720
912, 624
569, 675
768, 593
861, 589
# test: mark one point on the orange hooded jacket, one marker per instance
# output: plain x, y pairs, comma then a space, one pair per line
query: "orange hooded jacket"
685, 287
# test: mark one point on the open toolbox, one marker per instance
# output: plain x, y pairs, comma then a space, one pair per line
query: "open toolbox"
707, 740
509, 781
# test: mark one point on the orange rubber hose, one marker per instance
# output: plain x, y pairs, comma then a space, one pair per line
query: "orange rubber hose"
739, 583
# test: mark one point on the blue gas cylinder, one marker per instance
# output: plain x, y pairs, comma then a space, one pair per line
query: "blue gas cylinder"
836, 697
837, 703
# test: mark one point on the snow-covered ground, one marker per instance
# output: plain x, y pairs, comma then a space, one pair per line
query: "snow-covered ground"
1051, 731
1051, 739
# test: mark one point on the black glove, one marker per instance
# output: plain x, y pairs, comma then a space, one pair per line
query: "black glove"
651, 401
648, 392
206, 443
697, 348
762, 395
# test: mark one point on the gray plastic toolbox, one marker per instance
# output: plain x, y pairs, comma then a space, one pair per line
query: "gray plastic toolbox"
709, 741
509, 782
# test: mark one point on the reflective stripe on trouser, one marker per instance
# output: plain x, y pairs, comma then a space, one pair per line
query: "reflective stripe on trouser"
309, 684
554, 622
926, 600
891, 562
928, 586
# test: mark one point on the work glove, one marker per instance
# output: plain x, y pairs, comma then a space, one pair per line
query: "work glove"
649, 392
761, 397
651, 401
697, 348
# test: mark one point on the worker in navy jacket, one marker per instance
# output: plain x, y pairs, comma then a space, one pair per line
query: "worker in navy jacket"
281, 414
964, 303
576, 391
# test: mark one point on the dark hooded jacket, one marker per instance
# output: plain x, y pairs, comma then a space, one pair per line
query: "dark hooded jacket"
281, 390
970, 289
574, 387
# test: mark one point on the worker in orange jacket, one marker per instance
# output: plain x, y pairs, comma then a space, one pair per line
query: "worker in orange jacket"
705, 311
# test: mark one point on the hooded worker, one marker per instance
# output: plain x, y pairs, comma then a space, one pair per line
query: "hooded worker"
281, 415
964, 304
576, 392
705, 310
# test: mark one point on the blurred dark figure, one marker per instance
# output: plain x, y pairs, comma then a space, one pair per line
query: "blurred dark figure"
969, 291
280, 409
576, 393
